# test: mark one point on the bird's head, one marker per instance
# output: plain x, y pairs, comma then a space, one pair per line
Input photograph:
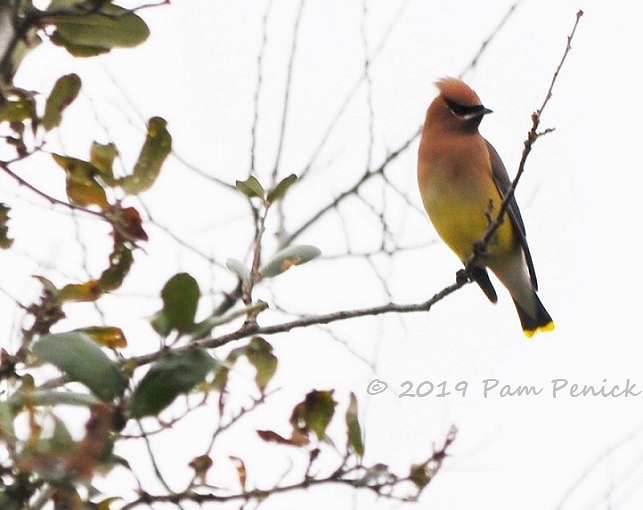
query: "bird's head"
457, 107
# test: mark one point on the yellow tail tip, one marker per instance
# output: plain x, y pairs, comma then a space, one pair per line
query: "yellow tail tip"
531, 332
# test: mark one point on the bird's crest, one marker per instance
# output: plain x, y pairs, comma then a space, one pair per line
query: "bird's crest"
455, 90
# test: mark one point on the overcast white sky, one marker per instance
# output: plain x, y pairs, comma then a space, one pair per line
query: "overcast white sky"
579, 198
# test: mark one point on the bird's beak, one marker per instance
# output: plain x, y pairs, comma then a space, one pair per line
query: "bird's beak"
477, 112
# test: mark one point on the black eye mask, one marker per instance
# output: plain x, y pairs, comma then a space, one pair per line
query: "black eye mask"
466, 111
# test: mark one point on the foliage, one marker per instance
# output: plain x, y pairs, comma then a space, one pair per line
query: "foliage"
92, 369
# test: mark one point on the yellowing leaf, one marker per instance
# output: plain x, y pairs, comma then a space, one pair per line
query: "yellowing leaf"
81, 185
354, 431
259, 354
86, 193
18, 108
102, 157
106, 503
81, 292
107, 336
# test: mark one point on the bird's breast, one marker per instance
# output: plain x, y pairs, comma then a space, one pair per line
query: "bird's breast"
461, 201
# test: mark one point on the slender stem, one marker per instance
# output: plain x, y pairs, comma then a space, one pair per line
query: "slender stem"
532, 136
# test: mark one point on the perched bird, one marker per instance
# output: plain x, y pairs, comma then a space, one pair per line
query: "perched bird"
463, 181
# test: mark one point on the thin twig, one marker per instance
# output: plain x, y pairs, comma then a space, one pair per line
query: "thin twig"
492, 36
348, 192
284, 116
55, 201
258, 87
254, 329
351, 94
532, 136
249, 329
377, 478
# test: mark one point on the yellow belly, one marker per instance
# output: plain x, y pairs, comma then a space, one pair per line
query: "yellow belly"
461, 212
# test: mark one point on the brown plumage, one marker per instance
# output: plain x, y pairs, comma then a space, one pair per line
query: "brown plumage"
462, 181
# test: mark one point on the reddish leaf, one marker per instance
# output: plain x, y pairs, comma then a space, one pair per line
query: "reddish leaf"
273, 437
201, 466
128, 223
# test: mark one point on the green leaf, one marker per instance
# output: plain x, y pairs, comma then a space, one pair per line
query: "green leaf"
63, 94
78, 356
172, 375
9, 500
61, 441
77, 50
288, 257
120, 262
354, 431
157, 146
5, 240
278, 192
18, 108
259, 354
102, 157
180, 297
205, 326
314, 413
17, 40
7, 430
106, 503
420, 475
51, 398
85, 33
238, 268
251, 187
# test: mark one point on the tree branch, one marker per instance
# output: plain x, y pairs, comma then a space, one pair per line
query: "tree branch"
532, 136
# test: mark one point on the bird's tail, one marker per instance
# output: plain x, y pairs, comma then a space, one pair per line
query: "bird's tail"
534, 322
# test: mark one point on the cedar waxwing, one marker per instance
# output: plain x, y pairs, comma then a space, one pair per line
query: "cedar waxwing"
462, 181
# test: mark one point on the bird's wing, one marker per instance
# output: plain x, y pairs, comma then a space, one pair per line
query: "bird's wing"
501, 178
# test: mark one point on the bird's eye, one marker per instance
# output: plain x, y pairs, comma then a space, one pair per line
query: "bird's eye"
466, 111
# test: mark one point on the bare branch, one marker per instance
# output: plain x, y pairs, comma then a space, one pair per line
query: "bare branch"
284, 116
52, 200
351, 93
532, 136
376, 478
349, 191
258, 86
474, 62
